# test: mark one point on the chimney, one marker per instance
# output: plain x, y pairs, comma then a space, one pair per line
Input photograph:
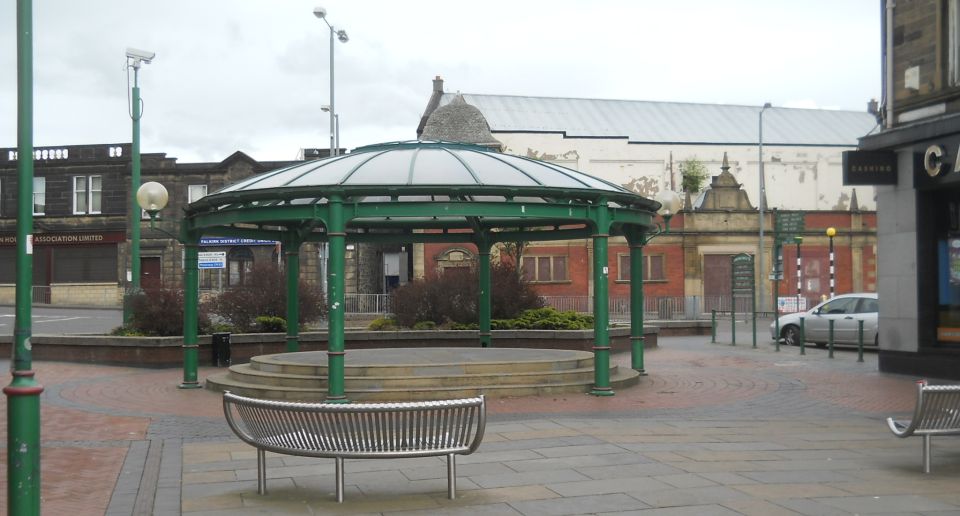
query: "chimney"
438, 84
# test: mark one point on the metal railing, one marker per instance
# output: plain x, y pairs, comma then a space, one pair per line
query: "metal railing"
660, 307
367, 303
41, 294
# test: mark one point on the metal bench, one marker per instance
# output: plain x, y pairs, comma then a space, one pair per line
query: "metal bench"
358, 431
937, 413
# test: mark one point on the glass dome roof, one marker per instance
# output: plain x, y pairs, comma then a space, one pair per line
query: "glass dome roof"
425, 168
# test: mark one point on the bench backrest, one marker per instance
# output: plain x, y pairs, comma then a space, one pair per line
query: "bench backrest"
938, 409
357, 430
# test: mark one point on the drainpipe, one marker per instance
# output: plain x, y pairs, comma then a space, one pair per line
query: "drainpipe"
888, 63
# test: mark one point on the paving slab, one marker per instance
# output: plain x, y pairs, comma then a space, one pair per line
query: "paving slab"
711, 429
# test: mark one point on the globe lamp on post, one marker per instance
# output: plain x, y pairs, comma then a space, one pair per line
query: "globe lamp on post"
669, 206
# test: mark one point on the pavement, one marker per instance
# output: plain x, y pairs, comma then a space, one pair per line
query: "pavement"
712, 429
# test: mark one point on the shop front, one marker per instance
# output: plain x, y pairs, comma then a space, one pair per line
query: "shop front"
68, 268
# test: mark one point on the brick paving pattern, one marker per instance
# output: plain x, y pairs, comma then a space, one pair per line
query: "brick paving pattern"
712, 429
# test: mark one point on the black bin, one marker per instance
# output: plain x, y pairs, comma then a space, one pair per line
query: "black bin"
220, 346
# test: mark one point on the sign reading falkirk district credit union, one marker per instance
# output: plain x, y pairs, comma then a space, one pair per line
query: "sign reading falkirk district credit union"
106, 237
869, 168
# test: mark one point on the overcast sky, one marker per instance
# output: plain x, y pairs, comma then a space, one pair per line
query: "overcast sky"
251, 75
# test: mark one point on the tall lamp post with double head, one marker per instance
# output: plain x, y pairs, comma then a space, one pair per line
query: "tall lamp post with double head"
760, 204
135, 58
341, 34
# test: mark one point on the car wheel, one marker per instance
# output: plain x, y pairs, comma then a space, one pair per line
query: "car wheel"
821, 344
791, 335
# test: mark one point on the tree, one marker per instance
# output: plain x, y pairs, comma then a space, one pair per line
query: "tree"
694, 174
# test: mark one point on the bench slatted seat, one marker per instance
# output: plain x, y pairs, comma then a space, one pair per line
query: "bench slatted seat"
358, 431
937, 413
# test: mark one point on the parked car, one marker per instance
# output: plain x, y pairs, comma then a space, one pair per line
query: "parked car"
844, 310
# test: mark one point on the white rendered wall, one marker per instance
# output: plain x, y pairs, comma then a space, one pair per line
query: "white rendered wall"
797, 178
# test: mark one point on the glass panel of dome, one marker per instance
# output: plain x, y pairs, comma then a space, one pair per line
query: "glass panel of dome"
385, 168
491, 170
545, 174
322, 172
438, 167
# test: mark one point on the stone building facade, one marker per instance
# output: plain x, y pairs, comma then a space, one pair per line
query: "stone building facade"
642, 146
81, 224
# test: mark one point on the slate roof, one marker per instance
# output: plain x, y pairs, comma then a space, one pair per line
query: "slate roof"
669, 122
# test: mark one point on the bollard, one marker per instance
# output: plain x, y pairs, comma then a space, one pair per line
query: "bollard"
860, 340
754, 329
830, 341
733, 326
713, 326
803, 338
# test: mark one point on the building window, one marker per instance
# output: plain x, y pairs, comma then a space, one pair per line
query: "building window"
239, 265
87, 192
196, 192
653, 268
544, 269
39, 195
76, 264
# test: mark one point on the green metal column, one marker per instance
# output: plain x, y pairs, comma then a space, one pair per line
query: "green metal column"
601, 311
134, 287
485, 294
23, 393
336, 231
636, 302
291, 249
191, 296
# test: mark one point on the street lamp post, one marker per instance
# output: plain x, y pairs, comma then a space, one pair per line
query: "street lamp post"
669, 206
152, 197
135, 58
760, 204
23, 393
336, 123
831, 232
341, 34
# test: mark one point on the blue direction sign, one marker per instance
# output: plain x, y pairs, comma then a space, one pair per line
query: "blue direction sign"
212, 260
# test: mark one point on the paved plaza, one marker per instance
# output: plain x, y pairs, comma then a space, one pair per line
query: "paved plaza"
712, 429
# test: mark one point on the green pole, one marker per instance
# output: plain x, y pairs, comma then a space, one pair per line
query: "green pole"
483, 248
191, 296
23, 393
733, 320
754, 302
601, 315
291, 249
636, 304
860, 340
713, 326
135, 113
777, 270
336, 232
830, 338
803, 338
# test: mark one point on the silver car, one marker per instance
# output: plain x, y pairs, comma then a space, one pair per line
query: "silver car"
844, 310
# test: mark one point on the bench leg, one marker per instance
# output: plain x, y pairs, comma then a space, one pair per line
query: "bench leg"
926, 454
261, 471
339, 461
451, 476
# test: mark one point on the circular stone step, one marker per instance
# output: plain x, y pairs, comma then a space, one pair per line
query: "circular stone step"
419, 374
